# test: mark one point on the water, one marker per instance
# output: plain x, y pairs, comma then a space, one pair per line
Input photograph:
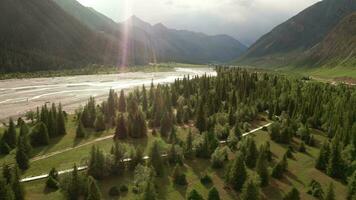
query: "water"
20, 95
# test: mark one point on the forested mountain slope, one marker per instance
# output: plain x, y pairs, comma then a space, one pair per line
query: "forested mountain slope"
39, 35
286, 42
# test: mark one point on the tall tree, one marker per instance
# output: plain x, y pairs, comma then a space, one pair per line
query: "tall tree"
22, 157
262, 169
122, 102
61, 124
201, 119
250, 191
10, 135
236, 174
155, 158
121, 129
93, 190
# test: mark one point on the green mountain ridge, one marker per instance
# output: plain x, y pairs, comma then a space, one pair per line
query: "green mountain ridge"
291, 42
38, 35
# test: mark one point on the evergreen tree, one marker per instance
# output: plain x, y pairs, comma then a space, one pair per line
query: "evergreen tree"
262, 169
335, 166
73, 188
149, 192
201, 119
100, 123
236, 174
96, 166
122, 102
24, 130
61, 125
6, 192
293, 194
188, 147
250, 191
9, 136
213, 194
178, 176
166, 124
144, 99
302, 147
22, 157
121, 130
155, 158
93, 190
251, 153
323, 158
194, 195
237, 130
80, 132
39, 135
330, 194
52, 181
17, 187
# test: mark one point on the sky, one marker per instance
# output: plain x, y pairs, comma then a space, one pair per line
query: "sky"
245, 20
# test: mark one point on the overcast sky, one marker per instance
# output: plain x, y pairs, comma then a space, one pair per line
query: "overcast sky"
246, 20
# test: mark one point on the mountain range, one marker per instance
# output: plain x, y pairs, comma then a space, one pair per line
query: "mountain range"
55, 34
321, 35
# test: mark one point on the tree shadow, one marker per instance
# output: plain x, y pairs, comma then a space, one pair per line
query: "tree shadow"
294, 177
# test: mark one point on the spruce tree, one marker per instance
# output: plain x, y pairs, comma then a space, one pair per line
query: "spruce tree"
17, 187
188, 147
155, 159
9, 136
144, 99
237, 173
121, 129
61, 124
166, 124
80, 132
24, 130
250, 191
194, 195
52, 181
323, 158
39, 135
201, 119
293, 194
262, 169
99, 123
22, 157
335, 166
93, 190
213, 194
251, 153
122, 102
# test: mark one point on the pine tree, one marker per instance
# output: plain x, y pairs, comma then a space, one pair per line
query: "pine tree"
262, 169
100, 123
213, 194
323, 158
121, 130
96, 166
335, 166
194, 195
80, 132
24, 130
155, 158
330, 194
293, 194
250, 191
237, 173
22, 157
6, 192
9, 136
188, 147
93, 190
122, 102
201, 119
39, 135
166, 124
251, 154
52, 181
61, 125
178, 176
144, 99
17, 187
73, 189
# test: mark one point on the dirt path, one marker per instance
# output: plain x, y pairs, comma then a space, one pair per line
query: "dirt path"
34, 178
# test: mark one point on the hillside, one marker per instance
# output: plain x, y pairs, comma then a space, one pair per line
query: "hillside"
300, 33
338, 48
38, 35
158, 43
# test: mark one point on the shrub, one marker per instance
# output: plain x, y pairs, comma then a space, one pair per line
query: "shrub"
114, 191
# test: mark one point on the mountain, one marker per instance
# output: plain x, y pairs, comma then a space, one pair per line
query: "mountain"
158, 43
338, 48
39, 35
286, 42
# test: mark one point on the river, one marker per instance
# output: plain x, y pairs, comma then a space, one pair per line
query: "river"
20, 95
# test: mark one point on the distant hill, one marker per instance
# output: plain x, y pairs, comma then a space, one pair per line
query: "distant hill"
39, 35
158, 43
290, 40
338, 48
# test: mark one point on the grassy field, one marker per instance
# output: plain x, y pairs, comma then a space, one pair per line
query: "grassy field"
300, 172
